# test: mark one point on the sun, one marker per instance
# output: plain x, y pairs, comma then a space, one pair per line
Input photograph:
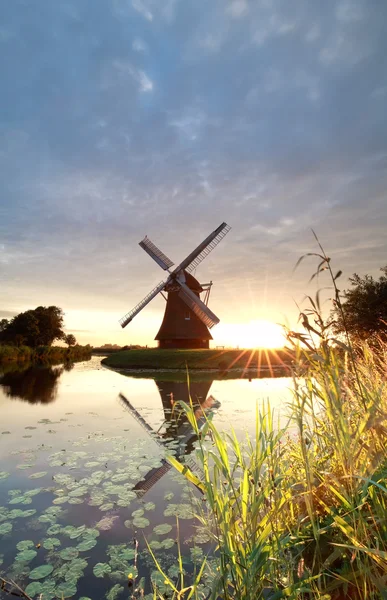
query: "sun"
255, 334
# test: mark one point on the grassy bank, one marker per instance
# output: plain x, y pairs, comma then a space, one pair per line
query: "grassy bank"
42, 354
218, 360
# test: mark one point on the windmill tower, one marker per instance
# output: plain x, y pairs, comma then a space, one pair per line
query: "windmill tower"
187, 319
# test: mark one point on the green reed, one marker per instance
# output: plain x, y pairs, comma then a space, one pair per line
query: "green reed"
300, 512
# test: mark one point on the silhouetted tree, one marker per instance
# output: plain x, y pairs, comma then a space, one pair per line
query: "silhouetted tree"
3, 324
39, 327
364, 308
70, 339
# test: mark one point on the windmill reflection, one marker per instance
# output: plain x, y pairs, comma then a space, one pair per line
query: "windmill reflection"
176, 425
35, 385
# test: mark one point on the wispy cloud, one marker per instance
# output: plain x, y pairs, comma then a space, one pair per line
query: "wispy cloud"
143, 117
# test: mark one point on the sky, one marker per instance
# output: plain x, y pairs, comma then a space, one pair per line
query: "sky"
125, 118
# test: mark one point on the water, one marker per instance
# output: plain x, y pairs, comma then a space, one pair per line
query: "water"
83, 474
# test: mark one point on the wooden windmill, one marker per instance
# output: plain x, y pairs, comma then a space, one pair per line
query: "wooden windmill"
187, 319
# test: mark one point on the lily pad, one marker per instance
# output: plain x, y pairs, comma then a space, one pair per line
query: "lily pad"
66, 589
138, 513
37, 475
149, 506
41, 572
168, 543
162, 529
115, 591
25, 545
51, 543
101, 569
5, 528
86, 545
77, 532
3, 475
106, 523
68, 553
54, 529
141, 522
34, 588
26, 555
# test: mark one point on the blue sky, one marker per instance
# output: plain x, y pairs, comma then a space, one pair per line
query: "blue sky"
120, 118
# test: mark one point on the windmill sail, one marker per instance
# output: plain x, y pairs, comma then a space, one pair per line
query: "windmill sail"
203, 250
197, 306
129, 316
162, 260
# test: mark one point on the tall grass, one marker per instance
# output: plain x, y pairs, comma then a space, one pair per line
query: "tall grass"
300, 512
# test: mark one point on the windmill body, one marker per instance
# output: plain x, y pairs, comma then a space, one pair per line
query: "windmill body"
181, 328
187, 318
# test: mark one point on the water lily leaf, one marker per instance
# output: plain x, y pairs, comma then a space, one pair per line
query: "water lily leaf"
37, 475
107, 506
26, 555
25, 466
51, 543
3, 475
61, 500
76, 501
5, 528
77, 532
127, 554
41, 572
168, 543
149, 506
155, 545
86, 545
66, 589
115, 591
138, 513
33, 589
168, 496
68, 553
119, 477
54, 529
90, 533
25, 545
20, 500
141, 522
162, 529
183, 511
106, 523
101, 569
91, 464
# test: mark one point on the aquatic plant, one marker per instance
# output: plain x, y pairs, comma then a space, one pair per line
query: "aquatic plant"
298, 512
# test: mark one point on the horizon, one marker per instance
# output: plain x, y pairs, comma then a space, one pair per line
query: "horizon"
128, 119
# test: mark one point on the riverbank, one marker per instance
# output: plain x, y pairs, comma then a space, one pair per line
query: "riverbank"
42, 354
154, 359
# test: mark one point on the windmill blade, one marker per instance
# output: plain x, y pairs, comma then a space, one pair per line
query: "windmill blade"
138, 308
197, 306
203, 250
153, 251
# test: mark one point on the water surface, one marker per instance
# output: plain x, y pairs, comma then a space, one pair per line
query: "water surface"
83, 474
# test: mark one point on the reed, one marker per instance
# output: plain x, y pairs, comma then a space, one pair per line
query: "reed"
300, 512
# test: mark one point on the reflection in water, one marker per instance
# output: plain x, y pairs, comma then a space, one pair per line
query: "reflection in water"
37, 384
176, 426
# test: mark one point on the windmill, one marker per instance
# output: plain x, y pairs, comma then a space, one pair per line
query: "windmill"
176, 426
187, 319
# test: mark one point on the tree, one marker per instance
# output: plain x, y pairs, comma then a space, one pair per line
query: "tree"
38, 327
70, 339
364, 309
3, 324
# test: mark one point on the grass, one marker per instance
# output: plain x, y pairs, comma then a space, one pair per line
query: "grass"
299, 512
155, 359
42, 354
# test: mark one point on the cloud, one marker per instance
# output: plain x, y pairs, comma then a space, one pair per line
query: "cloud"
141, 118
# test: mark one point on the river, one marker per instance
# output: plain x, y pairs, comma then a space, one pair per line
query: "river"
83, 477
